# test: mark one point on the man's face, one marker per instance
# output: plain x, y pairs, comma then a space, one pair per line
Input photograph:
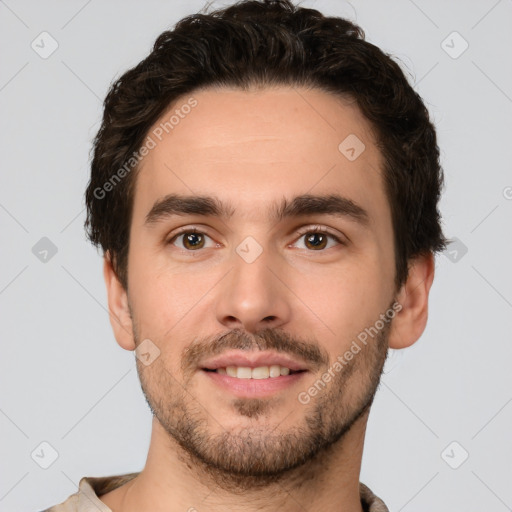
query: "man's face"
256, 283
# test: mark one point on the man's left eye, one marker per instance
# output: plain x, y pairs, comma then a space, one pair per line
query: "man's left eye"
317, 239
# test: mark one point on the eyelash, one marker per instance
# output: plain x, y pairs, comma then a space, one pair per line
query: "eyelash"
307, 231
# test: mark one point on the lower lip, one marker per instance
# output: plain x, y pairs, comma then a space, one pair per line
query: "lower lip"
254, 388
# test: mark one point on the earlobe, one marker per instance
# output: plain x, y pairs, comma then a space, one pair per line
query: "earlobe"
119, 312
410, 322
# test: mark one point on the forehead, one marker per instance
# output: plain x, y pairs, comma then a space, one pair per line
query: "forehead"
253, 147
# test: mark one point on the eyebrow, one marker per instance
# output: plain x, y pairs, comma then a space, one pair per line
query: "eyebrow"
306, 204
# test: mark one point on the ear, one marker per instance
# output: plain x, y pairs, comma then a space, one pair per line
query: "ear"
119, 312
409, 323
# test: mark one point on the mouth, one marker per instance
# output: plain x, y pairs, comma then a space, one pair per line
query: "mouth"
257, 385
253, 374
260, 372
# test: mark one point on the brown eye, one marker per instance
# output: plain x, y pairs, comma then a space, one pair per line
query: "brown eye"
191, 240
316, 239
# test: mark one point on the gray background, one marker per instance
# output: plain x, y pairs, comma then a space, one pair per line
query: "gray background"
66, 382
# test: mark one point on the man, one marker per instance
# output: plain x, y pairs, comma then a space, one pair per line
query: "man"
264, 187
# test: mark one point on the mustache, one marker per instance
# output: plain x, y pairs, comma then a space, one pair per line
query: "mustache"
277, 340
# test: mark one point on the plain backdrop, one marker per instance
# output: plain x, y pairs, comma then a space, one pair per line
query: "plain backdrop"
439, 434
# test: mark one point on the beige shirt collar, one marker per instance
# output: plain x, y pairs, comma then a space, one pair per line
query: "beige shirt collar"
86, 498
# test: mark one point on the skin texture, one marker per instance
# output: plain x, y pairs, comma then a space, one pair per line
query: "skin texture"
210, 449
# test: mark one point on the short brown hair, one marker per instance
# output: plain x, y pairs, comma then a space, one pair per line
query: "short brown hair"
259, 43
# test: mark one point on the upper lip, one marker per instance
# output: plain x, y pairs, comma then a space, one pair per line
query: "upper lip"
253, 360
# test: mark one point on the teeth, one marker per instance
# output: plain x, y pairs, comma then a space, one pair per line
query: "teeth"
275, 370
243, 372
262, 372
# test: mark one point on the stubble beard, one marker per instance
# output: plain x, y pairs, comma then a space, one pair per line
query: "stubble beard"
255, 456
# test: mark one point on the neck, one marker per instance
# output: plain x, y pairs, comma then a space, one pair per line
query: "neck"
172, 481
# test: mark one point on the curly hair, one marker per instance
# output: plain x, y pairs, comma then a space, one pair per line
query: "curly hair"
264, 43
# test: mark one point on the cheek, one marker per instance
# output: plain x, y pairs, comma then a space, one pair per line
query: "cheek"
154, 296
167, 298
344, 301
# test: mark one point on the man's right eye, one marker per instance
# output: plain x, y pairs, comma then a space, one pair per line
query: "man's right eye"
191, 239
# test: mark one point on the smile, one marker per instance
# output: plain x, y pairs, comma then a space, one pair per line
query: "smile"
261, 372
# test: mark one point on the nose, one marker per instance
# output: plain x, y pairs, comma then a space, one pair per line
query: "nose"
253, 297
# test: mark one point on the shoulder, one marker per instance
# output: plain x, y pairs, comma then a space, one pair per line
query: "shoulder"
89, 489
369, 501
